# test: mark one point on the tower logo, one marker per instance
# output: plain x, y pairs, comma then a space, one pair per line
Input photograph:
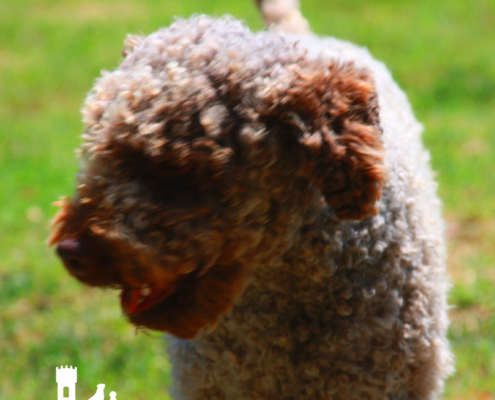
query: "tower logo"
66, 381
66, 378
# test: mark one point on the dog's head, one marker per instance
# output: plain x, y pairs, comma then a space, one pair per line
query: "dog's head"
204, 153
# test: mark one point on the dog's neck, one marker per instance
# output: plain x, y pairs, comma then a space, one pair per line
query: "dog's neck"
309, 262
299, 281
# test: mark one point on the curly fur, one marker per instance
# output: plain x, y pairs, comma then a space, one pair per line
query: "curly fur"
273, 190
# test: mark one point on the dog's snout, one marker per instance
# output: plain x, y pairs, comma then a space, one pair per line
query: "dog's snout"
71, 251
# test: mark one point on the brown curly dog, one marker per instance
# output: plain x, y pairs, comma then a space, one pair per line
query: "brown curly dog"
275, 190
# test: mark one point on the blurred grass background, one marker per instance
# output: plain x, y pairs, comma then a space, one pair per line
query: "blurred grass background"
441, 53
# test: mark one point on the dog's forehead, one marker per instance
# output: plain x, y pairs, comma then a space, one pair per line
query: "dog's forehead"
199, 55
198, 42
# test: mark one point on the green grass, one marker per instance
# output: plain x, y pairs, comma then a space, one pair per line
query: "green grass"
441, 52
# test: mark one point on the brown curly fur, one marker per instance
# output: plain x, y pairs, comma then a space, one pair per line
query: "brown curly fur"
200, 165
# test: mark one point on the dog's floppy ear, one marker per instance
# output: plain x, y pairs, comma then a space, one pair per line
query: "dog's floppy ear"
334, 111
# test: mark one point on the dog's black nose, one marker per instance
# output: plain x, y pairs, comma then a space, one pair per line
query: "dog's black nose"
72, 253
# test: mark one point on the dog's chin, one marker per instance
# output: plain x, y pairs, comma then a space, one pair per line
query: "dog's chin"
172, 315
138, 301
175, 310
189, 304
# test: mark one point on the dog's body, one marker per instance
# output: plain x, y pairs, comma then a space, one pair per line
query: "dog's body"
355, 310
273, 186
